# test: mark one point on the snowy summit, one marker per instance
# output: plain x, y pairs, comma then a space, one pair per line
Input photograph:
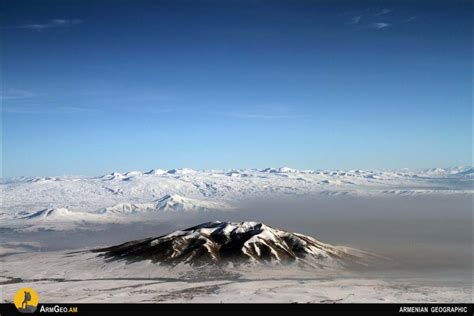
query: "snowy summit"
246, 242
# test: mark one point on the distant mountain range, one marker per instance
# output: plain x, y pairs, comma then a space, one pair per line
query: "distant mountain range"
42, 202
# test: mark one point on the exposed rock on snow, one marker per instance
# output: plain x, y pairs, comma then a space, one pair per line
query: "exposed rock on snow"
245, 242
181, 171
175, 202
49, 214
114, 176
156, 172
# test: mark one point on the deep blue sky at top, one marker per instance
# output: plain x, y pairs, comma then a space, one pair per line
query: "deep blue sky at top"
90, 87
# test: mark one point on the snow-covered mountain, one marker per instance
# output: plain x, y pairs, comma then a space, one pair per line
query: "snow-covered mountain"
185, 190
245, 242
279, 170
51, 214
54, 219
114, 176
456, 172
181, 171
64, 219
175, 202
59, 215
155, 172
167, 203
85, 277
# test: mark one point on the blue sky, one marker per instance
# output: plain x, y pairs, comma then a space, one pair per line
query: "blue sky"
90, 87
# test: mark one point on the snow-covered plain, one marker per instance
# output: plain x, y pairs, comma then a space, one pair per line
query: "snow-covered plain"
63, 277
34, 211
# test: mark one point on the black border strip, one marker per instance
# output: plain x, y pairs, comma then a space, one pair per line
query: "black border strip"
252, 309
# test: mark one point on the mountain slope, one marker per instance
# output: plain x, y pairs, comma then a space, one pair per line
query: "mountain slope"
167, 203
245, 242
60, 215
55, 219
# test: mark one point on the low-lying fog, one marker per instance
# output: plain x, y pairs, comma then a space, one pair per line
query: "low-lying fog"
423, 233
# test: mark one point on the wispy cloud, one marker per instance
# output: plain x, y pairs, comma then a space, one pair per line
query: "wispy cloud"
153, 109
50, 24
375, 19
15, 94
37, 109
76, 109
151, 96
355, 12
356, 19
380, 25
19, 110
382, 12
410, 19
265, 116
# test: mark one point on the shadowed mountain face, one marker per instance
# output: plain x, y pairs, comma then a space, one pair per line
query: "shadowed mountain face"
246, 242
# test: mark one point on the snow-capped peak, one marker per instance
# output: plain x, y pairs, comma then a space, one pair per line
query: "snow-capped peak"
279, 170
42, 179
181, 171
133, 173
167, 203
127, 208
246, 242
50, 213
58, 216
175, 202
156, 172
287, 170
114, 176
447, 172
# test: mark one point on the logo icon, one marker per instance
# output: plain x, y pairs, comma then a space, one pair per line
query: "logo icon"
26, 300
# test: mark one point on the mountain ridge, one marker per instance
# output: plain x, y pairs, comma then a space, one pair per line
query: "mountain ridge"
217, 243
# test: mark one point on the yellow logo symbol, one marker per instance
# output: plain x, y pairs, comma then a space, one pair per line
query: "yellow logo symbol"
26, 300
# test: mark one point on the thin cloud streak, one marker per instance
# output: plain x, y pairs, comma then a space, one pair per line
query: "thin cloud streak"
377, 20
38, 110
410, 19
77, 109
50, 24
16, 94
356, 19
262, 116
380, 25
383, 12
